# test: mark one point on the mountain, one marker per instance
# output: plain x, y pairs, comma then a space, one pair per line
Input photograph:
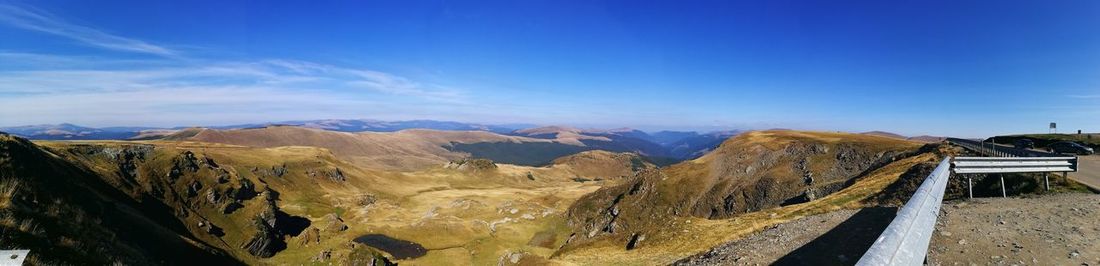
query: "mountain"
348, 125
921, 138
750, 172
663, 148
927, 139
615, 140
694, 146
665, 138
67, 214
67, 131
421, 148
884, 134
271, 198
296, 195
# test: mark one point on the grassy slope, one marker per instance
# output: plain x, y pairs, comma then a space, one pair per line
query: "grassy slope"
742, 167
461, 216
771, 157
687, 236
65, 214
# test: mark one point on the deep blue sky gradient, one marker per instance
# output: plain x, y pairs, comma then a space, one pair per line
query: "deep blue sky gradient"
964, 68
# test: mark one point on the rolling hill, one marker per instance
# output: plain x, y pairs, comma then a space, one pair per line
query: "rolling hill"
294, 195
751, 172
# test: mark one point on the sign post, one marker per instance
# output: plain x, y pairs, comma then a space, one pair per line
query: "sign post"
1053, 127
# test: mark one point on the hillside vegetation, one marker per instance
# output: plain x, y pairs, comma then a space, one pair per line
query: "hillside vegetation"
234, 204
752, 173
291, 195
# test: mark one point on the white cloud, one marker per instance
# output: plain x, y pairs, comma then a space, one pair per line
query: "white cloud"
43, 88
214, 91
36, 20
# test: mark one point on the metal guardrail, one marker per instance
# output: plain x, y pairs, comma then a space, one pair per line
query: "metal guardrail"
1009, 160
13, 257
990, 165
995, 150
905, 240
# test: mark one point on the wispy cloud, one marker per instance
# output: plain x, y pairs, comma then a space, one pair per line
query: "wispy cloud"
184, 88
1085, 96
37, 20
266, 74
210, 91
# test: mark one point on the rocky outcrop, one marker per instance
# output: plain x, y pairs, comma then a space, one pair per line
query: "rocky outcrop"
334, 175
266, 241
271, 226
311, 236
332, 223
472, 165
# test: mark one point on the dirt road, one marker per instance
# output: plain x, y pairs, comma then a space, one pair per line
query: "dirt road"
1059, 229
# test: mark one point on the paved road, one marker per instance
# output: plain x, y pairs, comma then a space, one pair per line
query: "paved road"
1088, 171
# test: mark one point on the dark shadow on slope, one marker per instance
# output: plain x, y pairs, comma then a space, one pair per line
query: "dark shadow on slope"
845, 243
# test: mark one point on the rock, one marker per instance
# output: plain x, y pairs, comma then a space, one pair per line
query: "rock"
193, 189
333, 223
1074, 254
324, 255
245, 192
214, 230
366, 200
223, 177
309, 237
264, 243
231, 207
474, 165
634, 241
212, 196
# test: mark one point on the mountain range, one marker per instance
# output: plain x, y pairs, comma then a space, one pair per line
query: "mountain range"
663, 147
281, 194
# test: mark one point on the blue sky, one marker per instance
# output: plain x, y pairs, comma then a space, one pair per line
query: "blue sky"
962, 68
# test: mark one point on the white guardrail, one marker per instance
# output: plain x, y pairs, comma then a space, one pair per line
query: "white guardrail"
905, 240
13, 257
988, 165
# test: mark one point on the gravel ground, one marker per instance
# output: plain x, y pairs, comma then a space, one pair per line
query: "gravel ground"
1059, 229
836, 238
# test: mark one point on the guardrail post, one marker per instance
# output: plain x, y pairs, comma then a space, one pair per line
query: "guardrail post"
1003, 193
1046, 180
970, 186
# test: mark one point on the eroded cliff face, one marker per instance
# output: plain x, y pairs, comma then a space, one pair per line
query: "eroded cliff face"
751, 172
68, 214
139, 203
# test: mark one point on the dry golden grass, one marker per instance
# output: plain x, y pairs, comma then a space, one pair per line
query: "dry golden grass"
463, 217
405, 150
8, 188
688, 236
470, 218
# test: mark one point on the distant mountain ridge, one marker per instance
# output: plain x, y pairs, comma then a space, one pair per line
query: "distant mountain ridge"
921, 138
663, 147
66, 131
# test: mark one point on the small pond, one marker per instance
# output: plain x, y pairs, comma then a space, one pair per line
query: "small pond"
400, 249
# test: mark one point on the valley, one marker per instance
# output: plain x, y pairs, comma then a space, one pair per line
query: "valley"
284, 194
